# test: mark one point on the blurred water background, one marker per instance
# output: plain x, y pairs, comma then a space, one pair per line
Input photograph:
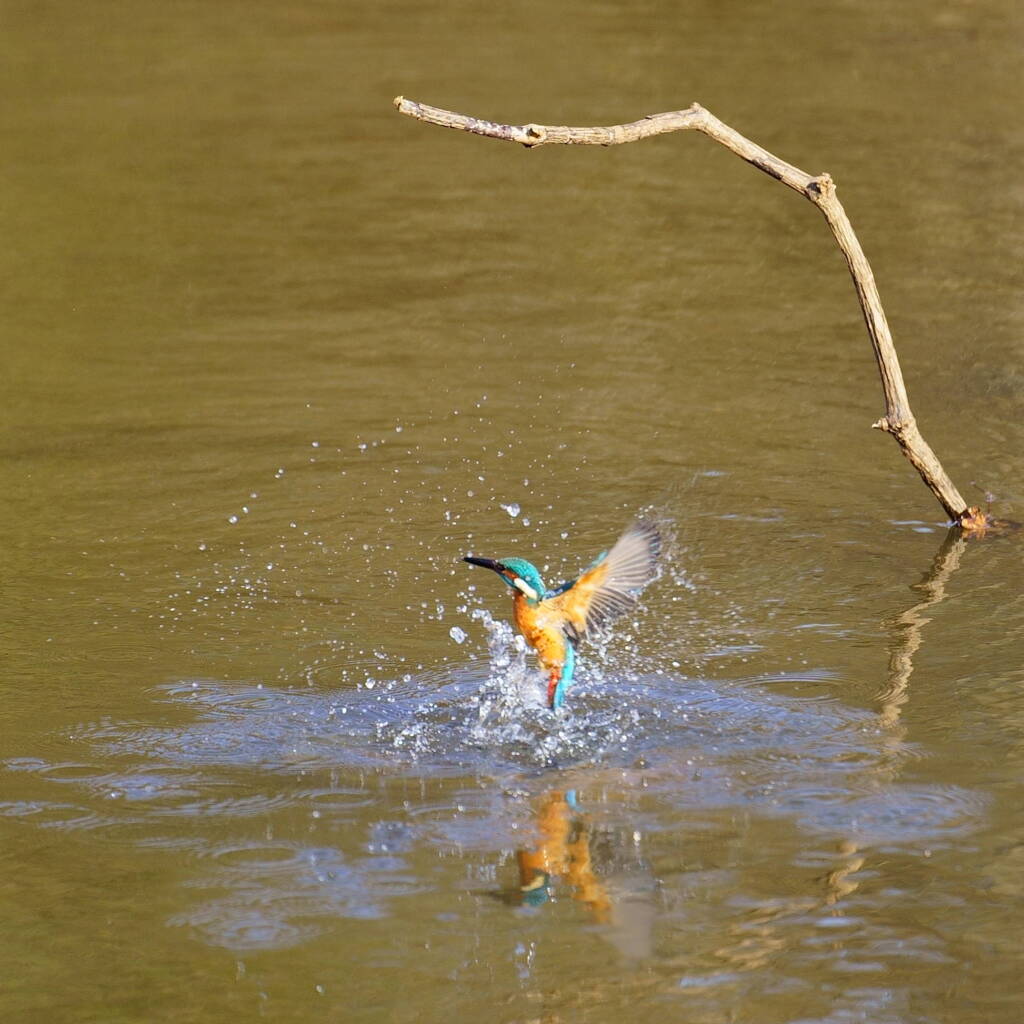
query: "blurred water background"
275, 358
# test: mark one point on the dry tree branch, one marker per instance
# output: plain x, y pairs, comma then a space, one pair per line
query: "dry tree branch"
820, 190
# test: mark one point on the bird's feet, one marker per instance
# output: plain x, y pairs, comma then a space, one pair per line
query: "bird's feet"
553, 680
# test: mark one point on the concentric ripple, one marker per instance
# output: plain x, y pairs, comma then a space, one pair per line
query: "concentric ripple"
285, 799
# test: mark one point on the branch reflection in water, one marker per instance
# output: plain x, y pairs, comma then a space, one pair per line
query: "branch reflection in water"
706, 828
907, 626
604, 869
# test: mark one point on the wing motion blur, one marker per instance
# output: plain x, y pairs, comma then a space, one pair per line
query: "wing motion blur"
610, 587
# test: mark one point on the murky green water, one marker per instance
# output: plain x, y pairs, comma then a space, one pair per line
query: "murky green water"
275, 358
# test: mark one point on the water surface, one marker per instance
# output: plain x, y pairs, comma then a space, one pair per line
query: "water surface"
275, 358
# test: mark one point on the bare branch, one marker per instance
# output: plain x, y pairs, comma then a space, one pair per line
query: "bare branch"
898, 420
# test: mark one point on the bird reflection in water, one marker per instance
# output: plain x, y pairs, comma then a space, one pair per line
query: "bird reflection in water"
602, 869
562, 852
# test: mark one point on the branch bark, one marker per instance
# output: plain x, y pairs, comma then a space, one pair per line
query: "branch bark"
820, 189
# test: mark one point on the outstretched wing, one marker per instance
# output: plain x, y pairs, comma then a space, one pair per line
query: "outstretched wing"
611, 585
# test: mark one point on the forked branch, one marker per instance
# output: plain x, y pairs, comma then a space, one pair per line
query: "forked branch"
820, 190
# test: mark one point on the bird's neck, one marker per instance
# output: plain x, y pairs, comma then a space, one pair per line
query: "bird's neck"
524, 612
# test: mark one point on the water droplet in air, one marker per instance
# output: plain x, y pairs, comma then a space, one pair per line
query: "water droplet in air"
512, 509
458, 635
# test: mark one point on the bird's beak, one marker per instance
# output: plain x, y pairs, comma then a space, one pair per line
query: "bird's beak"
487, 563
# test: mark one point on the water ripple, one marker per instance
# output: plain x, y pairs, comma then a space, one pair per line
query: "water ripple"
271, 792
829, 765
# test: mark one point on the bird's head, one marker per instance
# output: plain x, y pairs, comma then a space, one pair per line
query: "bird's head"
517, 573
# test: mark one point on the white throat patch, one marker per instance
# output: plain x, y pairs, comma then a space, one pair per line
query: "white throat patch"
521, 584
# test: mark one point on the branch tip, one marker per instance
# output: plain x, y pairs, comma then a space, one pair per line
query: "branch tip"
976, 523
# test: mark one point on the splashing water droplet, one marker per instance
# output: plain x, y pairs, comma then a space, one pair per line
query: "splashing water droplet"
458, 635
512, 509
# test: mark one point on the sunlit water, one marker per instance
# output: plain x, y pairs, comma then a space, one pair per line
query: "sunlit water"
691, 749
274, 359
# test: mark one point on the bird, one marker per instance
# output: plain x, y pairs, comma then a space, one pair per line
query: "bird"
555, 621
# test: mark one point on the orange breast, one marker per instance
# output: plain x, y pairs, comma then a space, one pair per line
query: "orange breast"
543, 631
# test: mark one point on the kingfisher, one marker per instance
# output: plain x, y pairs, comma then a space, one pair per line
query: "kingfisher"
555, 621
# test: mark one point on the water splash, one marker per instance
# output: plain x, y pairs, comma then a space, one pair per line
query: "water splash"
275, 767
